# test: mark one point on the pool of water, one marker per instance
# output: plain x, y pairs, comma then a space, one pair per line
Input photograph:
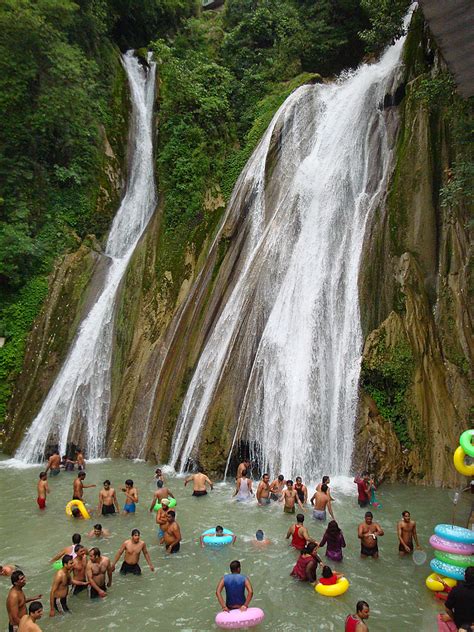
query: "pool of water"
180, 595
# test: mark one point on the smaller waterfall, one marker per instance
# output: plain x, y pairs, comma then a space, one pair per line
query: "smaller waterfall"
80, 395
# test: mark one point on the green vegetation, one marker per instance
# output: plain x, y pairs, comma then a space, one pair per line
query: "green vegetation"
386, 22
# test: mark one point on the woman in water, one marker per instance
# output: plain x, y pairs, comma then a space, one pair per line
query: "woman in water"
243, 490
307, 563
335, 542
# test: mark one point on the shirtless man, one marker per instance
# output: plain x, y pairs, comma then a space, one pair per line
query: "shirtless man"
80, 460
131, 497
16, 600
97, 567
162, 517
367, 533
245, 465
159, 475
172, 534
161, 492
69, 550
79, 563
78, 486
406, 532
54, 462
200, 480
301, 490
290, 498
28, 621
98, 532
276, 488
321, 500
108, 502
43, 490
260, 541
325, 480
60, 588
132, 547
299, 534
7, 569
263, 491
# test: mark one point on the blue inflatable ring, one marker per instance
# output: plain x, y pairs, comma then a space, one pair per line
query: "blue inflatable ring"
210, 538
455, 534
448, 570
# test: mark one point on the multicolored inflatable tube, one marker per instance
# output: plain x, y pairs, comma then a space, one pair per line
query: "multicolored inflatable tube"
447, 570
459, 548
454, 533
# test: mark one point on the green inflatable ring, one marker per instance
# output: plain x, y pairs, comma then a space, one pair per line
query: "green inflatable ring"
465, 441
462, 561
171, 505
57, 565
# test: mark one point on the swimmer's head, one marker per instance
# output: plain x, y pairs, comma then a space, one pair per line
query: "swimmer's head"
43, 476
67, 561
81, 476
362, 608
18, 578
324, 488
75, 512
159, 484
266, 477
219, 530
235, 566
94, 554
80, 550
76, 538
135, 533
289, 483
171, 516
369, 516
158, 471
129, 482
56, 451
281, 477
106, 484
327, 572
406, 516
325, 480
200, 469
97, 529
259, 535
310, 547
333, 528
299, 479
35, 610
300, 518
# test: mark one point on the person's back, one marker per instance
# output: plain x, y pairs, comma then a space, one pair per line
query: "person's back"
244, 488
234, 584
460, 601
356, 622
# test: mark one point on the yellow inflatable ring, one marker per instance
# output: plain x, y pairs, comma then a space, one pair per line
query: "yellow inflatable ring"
80, 505
462, 468
339, 588
432, 582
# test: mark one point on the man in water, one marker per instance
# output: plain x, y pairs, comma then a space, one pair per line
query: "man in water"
108, 502
98, 532
325, 481
97, 567
28, 621
245, 465
460, 602
60, 588
80, 460
69, 550
218, 534
159, 475
301, 490
260, 540
321, 500
243, 489
263, 491
161, 492
54, 463
236, 585
132, 547
42, 490
299, 534
356, 622
363, 489
200, 480
406, 532
290, 498
78, 486
162, 517
131, 497
16, 600
368, 533
78, 580
172, 534
7, 569
276, 488
67, 464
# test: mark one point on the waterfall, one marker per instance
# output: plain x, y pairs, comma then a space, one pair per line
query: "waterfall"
297, 293
80, 395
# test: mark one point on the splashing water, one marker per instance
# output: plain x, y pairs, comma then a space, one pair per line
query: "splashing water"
79, 399
300, 279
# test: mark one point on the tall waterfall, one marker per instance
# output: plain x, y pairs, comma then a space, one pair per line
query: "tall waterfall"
298, 286
80, 395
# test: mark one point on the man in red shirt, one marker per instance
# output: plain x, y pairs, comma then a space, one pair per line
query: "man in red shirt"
363, 489
356, 622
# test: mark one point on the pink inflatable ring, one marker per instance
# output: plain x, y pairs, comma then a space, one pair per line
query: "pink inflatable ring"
240, 619
440, 544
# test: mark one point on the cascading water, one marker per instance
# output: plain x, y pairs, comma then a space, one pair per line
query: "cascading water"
300, 278
80, 395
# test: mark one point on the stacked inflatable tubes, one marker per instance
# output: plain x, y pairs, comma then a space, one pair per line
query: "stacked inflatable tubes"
454, 552
465, 449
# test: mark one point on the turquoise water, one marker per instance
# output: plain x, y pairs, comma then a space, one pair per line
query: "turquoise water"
180, 595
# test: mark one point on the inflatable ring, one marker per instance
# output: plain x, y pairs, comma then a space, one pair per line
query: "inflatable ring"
465, 441
449, 570
339, 588
463, 561
211, 539
80, 505
454, 533
240, 619
462, 468
57, 565
171, 505
432, 582
440, 544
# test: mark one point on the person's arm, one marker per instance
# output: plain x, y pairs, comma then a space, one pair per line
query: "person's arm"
234, 538
51, 594
91, 581
13, 609
299, 502
46, 487
87, 486
400, 539
109, 574
170, 495
250, 488
343, 542
324, 539
380, 531
312, 499
259, 493
290, 532
118, 556
219, 589
48, 467
236, 488
135, 495
101, 502
305, 492
153, 503
78, 582
58, 556
360, 532
331, 513
249, 588
209, 482
147, 557
116, 502
188, 480
201, 541
415, 537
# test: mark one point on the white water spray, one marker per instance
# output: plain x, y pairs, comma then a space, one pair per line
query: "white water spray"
80, 395
300, 278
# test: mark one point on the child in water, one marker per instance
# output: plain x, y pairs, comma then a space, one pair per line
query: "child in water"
329, 577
